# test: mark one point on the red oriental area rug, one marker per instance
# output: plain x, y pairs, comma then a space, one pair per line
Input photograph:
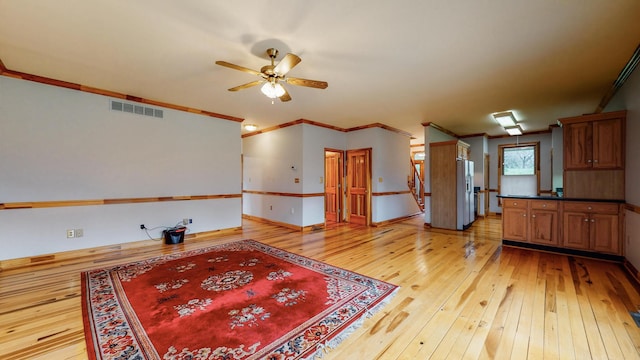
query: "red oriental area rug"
243, 300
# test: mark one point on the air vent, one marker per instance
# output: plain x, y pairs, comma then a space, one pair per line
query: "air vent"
136, 109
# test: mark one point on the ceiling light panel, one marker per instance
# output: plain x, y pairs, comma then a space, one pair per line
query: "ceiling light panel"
505, 119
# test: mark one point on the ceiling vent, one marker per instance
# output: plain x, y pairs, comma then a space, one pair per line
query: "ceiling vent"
136, 109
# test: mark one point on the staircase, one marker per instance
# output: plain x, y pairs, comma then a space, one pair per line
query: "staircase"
416, 188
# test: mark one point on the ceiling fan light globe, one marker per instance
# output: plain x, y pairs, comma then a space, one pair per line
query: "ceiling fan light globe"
272, 91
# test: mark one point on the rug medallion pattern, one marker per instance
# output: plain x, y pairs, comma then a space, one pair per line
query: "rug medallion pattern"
242, 300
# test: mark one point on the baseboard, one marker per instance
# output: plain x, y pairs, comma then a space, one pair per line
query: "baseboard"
286, 225
392, 221
12, 264
632, 271
564, 251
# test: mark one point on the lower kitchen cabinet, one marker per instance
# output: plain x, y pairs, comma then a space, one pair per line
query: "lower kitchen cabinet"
592, 226
563, 224
534, 221
544, 222
515, 219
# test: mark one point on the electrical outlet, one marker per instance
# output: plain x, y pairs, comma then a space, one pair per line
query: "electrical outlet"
71, 233
186, 221
79, 233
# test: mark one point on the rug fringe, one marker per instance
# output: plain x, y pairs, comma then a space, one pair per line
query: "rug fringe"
324, 348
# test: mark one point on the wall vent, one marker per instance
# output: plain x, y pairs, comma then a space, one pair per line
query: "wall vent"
136, 109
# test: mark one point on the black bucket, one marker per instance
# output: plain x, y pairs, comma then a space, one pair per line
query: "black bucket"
174, 235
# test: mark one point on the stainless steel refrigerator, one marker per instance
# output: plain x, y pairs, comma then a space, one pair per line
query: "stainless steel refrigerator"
464, 194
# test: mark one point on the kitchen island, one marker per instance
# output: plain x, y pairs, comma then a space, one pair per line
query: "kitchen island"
583, 227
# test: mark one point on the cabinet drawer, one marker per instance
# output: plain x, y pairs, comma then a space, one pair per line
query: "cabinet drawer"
544, 204
607, 208
515, 203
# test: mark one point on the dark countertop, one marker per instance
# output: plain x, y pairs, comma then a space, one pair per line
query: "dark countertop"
533, 197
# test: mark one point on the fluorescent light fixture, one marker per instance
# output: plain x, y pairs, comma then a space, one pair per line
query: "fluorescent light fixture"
250, 127
513, 130
505, 119
272, 90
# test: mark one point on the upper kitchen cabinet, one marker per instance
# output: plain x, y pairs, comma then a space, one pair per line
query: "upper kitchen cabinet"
594, 141
593, 147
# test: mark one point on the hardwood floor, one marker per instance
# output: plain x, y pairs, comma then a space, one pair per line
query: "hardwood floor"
462, 295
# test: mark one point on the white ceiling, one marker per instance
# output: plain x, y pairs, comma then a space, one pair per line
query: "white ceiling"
400, 63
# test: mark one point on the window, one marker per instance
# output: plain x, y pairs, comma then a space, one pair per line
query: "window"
519, 160
519, 169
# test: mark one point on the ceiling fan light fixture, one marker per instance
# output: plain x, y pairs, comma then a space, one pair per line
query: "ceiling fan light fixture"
272, 90
513, 130
505, 119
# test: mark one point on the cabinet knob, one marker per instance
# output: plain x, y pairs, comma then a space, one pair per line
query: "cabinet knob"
595, 161
534, 215
589, 207
544, 205
515, 203
589, 161
586, 220
592, 220
525, 215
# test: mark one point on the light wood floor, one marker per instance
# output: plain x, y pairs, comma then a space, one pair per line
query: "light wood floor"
462, 295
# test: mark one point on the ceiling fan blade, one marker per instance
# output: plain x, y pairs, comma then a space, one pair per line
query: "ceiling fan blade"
237, 67
285, 96
247, 85
286, 64
308, 83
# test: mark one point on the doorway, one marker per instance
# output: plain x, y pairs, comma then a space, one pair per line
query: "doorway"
416, 182
333, 185
358, 209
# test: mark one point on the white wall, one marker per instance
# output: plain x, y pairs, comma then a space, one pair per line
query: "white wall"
390, 166
479, 146
558, 159
629, 98
314, 142
545, 163
272, 161
268, 158
58, 144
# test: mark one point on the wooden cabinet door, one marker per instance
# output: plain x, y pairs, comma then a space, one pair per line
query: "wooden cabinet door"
604, 233
578, 147
607, 144
544, 227
514, 223
575, 229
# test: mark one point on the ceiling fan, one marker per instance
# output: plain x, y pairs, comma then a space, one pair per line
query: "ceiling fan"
274, 75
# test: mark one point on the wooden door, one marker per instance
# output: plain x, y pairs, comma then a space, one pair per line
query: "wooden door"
358, 183
608, 142
575, 229
577, 146
333, 185
544, 227
514, 224
604, 233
